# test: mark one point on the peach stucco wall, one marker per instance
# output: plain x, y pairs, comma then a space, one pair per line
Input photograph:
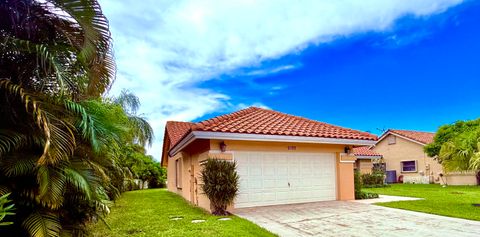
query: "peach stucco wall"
191, 190
364, 165
345, 183
405, 150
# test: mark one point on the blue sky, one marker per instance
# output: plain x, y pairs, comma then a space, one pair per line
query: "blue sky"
419, 75
366, 65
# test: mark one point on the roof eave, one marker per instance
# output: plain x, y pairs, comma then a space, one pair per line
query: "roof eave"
369, 157
267, 138
399, 135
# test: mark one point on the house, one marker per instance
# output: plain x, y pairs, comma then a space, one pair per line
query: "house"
281, 158
366, 156
402, 151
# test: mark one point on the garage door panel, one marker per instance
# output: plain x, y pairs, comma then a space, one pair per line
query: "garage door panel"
269, 184
306, 183
256, 197
269, 170
255, 171
282, 196
282, 170
269, 197
268, 159
254, 184
242, 170
281, 183
264, 178
293, 171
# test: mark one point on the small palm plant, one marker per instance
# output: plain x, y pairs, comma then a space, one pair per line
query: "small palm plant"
220, 184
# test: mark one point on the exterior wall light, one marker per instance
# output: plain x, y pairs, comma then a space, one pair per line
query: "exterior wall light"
223, 146
346, 150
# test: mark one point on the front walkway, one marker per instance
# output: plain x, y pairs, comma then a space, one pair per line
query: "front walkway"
340, 218
386, 198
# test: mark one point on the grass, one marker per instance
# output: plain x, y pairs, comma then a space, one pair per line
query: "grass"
453, 201
149, 213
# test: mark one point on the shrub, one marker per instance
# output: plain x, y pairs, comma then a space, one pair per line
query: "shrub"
220, 184
359, 194
358, 185
374, 179
365, 195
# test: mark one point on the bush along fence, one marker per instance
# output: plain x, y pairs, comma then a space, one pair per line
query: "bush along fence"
359, 194
374, 180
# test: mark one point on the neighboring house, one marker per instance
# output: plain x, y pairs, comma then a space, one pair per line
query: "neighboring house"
402, 151
366, 156
281, 158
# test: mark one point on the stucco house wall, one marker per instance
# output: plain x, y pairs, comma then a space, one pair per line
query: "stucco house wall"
364, 166
461, 178
191, 166
405, 150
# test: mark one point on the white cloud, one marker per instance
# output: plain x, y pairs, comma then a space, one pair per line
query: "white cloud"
244, 106
165, 48
269, 71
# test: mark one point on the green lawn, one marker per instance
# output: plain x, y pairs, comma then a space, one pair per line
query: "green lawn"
454, 201
148, 213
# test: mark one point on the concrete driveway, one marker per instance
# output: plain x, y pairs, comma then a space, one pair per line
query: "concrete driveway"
339, 218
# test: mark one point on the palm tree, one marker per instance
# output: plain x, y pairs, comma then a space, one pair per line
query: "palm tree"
56, 135
461, 153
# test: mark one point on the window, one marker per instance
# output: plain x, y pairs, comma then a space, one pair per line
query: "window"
178, 174
409, 166
392, 140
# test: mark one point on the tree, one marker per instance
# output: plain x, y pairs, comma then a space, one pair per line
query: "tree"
59, 139
457, 146
220, 184
142, 166
131, 155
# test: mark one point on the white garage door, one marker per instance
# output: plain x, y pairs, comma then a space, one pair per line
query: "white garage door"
271, 178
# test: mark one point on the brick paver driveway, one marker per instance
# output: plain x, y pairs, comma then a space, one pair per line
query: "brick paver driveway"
339, 218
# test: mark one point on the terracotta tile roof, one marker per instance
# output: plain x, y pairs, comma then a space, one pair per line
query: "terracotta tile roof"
177, 130
365, 151
255, 120
422, 137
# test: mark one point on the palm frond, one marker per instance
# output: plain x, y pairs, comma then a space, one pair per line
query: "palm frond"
96, 48
80, 179
4, 190
11, 140
142, 130
40, 224
84, 122
6, 209
51, 187
99, 170
129, 101
475, 159
59, 138
18, 166
47, 58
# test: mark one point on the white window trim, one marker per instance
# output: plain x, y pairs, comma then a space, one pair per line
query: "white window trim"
401, 166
